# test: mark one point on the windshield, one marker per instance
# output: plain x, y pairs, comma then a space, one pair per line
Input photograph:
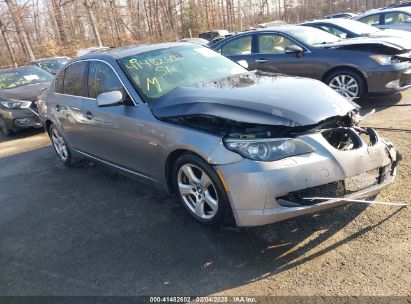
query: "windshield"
312, 36
52, 65
156, 73
357, 27
17, 78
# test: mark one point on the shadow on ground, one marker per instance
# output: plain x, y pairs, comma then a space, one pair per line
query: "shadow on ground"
20, 135
89, 231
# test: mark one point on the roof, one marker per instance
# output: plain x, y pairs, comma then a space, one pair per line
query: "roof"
18, 68
388, 10
339, 22
50, 58
126, 51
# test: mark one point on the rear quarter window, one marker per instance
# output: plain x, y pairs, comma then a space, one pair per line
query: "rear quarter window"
74, 79
371, 20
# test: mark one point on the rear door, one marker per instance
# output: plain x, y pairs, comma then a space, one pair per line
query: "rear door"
67, 100
240, 48
113, 132
271, 56
396, 20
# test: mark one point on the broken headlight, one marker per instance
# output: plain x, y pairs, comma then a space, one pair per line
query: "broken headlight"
384, 59
16, 104
268, 149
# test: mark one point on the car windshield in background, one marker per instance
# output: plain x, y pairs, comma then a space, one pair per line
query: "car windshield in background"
312, 36
357, 27
17, 78
52, 65
156, 73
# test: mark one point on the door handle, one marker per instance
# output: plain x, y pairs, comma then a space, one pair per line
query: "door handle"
261, 60
88, 115
58, 108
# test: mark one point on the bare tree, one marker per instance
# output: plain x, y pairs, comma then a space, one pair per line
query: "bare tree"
88, 6
20, 29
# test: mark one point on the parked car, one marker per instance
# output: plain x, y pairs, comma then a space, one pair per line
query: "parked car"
210, 36
395, 18
195, 40
82, 52
274, 23
52, 64
340, 15
19, 88
345, 28
226, 141
400, 4
353, 67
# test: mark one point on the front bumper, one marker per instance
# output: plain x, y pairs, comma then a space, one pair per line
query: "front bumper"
17, 119
379, 79
258, 191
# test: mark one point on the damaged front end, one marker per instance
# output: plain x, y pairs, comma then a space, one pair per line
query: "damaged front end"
349, 163
292, 149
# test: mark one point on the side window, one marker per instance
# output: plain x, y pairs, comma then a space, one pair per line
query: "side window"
102, 79
334, 31
393, 18
371, 20
240, 46
58, 83
74, 77
273, 44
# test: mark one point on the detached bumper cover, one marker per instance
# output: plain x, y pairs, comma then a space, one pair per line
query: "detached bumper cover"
267, 192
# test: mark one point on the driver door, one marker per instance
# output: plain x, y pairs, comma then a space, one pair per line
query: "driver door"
113, 131
272, 56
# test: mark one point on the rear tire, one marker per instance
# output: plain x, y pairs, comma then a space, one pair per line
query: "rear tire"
3, 128
200, 191
348, 83
60, 146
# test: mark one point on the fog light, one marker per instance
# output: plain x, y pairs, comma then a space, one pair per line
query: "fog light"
393, 84
24, 122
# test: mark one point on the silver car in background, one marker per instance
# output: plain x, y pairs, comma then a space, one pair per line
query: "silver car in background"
393, 18
232, 144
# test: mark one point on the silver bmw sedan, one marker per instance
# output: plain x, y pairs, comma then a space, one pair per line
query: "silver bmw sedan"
232, 144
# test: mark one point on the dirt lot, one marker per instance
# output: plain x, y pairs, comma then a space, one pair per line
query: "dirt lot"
88, 231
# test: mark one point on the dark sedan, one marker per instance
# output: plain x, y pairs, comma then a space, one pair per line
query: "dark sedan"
344, 28
19, 88
52, 64
353, 67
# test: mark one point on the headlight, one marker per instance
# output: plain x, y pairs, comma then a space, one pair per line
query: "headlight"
268, 149
384, 59
16, 104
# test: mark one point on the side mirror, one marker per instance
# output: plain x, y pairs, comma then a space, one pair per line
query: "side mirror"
108, 99
294, 49
243, 63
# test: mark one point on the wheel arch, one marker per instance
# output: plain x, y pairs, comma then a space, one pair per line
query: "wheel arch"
345, 67
48, 124
171, 159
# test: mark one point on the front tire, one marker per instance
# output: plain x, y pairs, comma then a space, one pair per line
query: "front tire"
200, 191
348, 83
60, 146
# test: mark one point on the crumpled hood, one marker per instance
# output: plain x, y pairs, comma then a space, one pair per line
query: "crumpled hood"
396, 44
256, 97
27, 92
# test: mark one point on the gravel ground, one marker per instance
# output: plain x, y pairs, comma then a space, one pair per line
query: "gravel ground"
89, 231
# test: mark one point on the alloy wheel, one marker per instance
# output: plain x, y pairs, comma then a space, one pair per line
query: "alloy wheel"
59, 144
198, 191
346, 85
